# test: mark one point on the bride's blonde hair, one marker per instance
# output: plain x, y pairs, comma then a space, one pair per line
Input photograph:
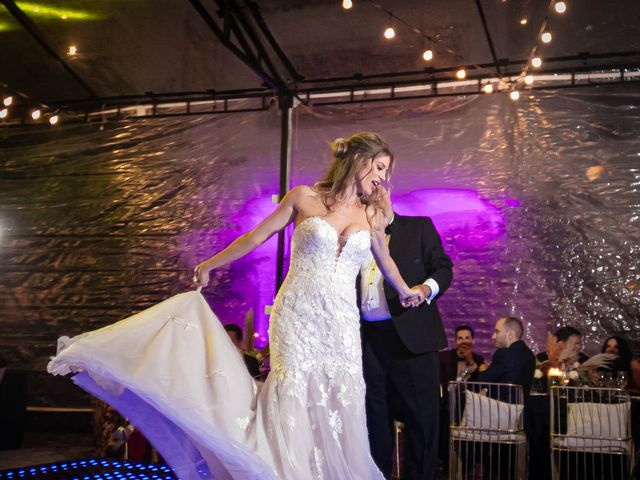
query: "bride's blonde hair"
350, 155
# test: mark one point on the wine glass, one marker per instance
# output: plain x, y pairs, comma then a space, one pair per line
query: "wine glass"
606, 380
622, 379
466, 373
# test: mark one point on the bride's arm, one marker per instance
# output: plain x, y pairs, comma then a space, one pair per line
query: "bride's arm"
380, 250
245, 243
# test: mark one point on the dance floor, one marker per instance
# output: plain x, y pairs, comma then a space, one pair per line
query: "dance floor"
90, 469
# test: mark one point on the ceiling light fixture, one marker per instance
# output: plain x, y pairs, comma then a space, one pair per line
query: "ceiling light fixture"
560, 7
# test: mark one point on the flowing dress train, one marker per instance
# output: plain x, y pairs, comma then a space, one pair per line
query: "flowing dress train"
173, 371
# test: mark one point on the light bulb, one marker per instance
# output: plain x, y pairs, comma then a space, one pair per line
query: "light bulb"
546, 37
36, 114
536, 62
528, 79
488, 88
347, 4
72, 50
7, 101
54, 119
560, 7
4, 112
461, 73
515, 95
389, 33
427, 55
523, 21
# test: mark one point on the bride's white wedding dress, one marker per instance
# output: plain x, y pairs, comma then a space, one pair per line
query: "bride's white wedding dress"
173, 371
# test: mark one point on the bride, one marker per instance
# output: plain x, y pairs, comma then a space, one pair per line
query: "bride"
174, 372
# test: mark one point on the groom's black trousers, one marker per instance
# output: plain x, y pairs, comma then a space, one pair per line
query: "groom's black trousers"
394, 375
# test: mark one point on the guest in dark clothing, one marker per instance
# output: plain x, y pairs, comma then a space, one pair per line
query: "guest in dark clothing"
568, 348
625, 361
454, 362
453, 365
235, 334
513, 361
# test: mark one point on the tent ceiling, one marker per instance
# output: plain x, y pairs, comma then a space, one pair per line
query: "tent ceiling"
129, 47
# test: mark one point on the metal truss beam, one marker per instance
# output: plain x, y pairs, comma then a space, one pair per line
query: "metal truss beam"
243, 31
39, 37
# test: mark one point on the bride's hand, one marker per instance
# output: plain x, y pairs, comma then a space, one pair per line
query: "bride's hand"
413, 297
201, 274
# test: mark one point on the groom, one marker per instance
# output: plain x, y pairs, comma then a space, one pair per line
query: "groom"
400, 346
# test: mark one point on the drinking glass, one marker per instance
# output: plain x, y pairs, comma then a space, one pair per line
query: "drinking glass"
622, 379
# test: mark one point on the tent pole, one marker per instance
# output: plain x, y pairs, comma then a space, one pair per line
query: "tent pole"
285, 103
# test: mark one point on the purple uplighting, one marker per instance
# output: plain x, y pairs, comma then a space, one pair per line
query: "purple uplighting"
463, 218
460, 215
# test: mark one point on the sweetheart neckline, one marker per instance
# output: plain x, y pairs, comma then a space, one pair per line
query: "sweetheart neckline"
334, 229
339, 248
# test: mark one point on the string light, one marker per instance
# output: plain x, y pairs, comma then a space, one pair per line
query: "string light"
523, 21
389, 33
54, 119
36, 114
488, 88
4, 112
461, 74
546, 37
7, 101
536, 62
347, 4
528, 79
515, 95
72, 50
560, 7
427, 55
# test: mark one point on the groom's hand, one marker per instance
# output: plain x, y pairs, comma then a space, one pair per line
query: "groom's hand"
416, 296
422, 292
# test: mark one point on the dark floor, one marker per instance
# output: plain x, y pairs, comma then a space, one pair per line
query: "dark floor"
40, 448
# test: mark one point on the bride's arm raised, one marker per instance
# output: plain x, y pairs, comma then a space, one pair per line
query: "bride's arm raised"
245, 243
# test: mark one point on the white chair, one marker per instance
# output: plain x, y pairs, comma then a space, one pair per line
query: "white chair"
487, 435
591, 433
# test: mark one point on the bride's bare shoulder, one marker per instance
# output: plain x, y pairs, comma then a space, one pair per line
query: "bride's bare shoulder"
302, 191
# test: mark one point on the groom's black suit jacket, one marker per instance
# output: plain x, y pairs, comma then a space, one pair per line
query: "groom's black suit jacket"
416, 248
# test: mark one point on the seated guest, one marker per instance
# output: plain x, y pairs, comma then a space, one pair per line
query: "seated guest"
453, 365
566, 350
235, 334
513, 361
625, 362
454, 362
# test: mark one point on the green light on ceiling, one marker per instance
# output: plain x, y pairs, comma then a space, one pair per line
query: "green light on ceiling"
44, 11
